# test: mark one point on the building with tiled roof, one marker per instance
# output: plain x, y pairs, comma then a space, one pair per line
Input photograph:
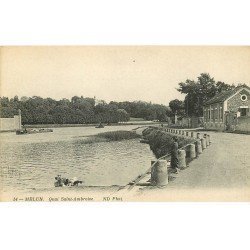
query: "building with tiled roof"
228, 110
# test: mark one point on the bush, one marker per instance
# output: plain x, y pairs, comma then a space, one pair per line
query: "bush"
161, 142
118, 135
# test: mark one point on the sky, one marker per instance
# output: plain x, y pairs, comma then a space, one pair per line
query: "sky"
119, 73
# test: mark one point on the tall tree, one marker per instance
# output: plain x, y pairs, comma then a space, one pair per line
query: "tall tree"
177, 107
198, 92
78, 110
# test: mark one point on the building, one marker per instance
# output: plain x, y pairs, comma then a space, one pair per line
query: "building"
11, 124
190, 122
228, 110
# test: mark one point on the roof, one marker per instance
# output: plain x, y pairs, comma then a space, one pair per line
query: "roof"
221, 97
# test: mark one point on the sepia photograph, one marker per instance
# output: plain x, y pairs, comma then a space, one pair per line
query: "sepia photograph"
124, 123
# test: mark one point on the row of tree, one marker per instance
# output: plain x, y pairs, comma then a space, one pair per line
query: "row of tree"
196, 94
79, 110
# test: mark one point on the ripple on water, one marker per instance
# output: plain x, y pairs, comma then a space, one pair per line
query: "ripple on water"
37, 160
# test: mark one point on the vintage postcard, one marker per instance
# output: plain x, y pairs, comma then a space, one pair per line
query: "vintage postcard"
124, 123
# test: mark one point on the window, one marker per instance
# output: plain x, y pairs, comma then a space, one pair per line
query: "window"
221, 114
243, 111
243, 97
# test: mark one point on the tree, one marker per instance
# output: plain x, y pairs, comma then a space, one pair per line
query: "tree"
198, 92
78, 110
221, 86
177, 107
123, 115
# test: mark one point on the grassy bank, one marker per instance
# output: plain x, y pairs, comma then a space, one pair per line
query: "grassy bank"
111, 136
118, 135
161, 142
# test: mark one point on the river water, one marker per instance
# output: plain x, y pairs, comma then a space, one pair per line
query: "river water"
32, 161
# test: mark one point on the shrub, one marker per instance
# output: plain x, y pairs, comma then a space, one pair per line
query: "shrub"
118, 135
161, 142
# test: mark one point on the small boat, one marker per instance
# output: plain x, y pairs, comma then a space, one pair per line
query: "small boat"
99, 126
21, 132
33, 131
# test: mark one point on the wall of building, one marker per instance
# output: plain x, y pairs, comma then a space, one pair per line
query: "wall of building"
243, 124
235, 102
11, 124
190, 122
214, 116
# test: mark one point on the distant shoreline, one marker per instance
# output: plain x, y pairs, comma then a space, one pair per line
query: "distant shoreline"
89, 125
141, 123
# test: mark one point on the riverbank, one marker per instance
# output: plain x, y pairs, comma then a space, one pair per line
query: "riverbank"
161, 142
111, 136
139, 123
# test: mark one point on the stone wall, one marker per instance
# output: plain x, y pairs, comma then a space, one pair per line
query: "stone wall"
243, 124
215, 126
10, 124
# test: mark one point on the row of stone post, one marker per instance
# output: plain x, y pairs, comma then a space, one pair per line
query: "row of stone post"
159, 171
188, 133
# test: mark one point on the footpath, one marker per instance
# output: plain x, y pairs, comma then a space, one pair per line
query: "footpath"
220, 173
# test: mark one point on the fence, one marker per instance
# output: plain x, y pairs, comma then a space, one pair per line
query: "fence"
158, 169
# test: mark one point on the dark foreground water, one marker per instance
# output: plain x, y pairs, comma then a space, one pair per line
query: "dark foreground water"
32, 161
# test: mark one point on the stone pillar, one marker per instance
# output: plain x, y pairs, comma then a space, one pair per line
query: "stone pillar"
203, 143
192, 134
186, 133
182, 158
198, 147
179, 132
206, 138
191, 151
159, 173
